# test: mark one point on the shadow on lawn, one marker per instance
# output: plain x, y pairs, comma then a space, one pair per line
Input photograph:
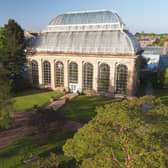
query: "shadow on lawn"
30, 91
82, 108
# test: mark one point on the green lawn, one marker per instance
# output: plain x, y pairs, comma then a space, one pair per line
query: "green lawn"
162, 94
81, 109
27, 99
26, 147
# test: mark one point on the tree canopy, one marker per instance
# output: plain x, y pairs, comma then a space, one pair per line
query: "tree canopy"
5, 104
12, 54
14, 46
165, 78
128, 134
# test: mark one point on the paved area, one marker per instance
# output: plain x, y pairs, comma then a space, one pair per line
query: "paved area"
21, 118
61, 101
9, 136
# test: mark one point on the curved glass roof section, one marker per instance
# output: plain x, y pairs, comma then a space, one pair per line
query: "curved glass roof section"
87, 32
86, 17
114, 42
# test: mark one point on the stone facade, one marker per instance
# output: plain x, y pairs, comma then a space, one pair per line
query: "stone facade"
95, 60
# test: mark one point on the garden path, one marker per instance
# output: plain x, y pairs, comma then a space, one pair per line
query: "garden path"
21, 118
10, 135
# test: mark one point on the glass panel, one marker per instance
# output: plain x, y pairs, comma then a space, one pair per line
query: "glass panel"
103, 78
88, 77
46, 73
35, 73
121, 81
73, 72
59, 74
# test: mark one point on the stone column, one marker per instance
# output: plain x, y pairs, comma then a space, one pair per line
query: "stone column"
52, 62
66, 84
95, 76
112, 77
80, 77
29, 70
40, 69
130, 82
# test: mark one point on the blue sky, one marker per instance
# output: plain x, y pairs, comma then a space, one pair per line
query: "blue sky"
139, 15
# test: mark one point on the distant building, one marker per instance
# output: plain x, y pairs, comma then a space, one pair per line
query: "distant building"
147, 40
30, 38
163, 63
88, 51
152, 54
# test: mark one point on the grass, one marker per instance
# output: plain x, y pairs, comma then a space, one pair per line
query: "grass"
26, 147
81, 109
25, 101
162, 94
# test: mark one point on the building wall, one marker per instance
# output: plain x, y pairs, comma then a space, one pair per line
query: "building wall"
112, 61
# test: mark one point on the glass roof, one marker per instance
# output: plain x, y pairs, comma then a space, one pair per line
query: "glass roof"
87, 17
153, 50
88, 41
88, 31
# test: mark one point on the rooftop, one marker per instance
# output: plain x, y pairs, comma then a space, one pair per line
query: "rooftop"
88, 32
87, 17
153, 50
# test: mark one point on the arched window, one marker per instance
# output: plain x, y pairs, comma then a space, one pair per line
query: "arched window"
59, 74
73, 72
121, 79
88, 76
35, 73
103, 78
46, 73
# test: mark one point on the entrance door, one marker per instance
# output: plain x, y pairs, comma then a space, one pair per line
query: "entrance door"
73, 87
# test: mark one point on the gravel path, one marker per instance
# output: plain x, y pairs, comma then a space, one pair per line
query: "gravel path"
10, 135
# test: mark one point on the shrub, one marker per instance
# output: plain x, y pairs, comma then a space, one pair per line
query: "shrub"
50, 162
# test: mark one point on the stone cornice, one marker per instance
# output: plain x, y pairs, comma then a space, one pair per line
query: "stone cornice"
78, 54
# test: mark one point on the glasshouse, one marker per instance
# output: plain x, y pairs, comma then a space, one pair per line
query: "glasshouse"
89, 51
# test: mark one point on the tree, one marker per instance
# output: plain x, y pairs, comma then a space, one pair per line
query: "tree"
165, 78
12, 54
2, 37
14, 47
51, 162
127, 134
5, 103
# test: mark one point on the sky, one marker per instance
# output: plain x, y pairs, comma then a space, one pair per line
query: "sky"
138, 15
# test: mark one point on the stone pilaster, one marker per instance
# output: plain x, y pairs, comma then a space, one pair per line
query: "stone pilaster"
95, 76
80, 76
112, 77
52, 62
40, 68
66, 84
130, 82
29, 70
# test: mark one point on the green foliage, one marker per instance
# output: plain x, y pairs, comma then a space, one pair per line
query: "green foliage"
2, 37
165, 78
31, 145
5, 103
12, 54
15, 45
50, 162
41, 119
128, 134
